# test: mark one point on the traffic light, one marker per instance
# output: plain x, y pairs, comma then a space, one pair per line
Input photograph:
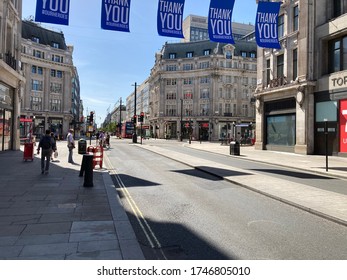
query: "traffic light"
88, 120
134, 119
91, 117
141, 117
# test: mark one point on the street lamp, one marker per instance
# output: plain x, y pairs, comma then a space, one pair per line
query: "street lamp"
181, 135
134, 134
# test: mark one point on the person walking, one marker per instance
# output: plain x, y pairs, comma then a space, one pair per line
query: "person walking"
70, 145
47, 145
55, 144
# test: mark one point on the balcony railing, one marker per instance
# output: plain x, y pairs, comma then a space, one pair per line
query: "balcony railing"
10, 60
277, 82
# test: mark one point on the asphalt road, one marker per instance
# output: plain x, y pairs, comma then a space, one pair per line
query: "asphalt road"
181, 213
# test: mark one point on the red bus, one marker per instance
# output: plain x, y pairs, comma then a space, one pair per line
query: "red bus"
127, 130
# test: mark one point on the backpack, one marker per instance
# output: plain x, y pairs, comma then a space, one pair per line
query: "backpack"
46, 142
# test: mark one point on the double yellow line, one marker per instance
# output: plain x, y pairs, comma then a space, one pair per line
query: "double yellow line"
151, 238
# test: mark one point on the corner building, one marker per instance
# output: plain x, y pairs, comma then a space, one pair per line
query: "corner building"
52, 91
302, 87
11, 75
203, 90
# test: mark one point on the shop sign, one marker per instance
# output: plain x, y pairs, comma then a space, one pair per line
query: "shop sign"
339, 82
343, 126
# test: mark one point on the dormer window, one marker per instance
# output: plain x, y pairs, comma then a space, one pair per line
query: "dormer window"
189, 54
207, 52
172, 55
228, 55
35, 39
55, 45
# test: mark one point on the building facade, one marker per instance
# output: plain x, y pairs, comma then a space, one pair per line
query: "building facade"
330, 70
301, 87
203, 90
11, 76
52, 91
142, 106
195, 28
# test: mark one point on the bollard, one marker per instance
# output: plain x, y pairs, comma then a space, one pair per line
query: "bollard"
87, 169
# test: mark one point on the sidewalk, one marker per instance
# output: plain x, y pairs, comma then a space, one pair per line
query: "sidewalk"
330, 204
54, 217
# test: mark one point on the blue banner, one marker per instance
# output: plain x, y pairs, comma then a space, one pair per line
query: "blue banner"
219, 21
266, 27
170, 18
115, 15
53, 11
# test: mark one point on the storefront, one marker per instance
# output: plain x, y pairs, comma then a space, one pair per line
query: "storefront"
331, 116
331, 110
6, 117
280, 125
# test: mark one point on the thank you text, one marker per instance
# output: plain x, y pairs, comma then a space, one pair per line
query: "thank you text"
170, 18
115, 15
53, 11
219, 21
266, 25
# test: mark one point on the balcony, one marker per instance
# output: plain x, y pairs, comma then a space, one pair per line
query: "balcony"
10, 60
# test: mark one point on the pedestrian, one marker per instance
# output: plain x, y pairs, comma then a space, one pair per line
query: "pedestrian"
108, 140
47, 145
55, 145
70, 145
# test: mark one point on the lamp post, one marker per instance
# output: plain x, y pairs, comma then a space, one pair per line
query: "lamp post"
134, 134
120, 118
181, 134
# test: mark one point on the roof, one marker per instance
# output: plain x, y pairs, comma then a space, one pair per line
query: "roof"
198, 48
47, 37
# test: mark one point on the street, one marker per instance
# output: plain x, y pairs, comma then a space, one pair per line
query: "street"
179, 212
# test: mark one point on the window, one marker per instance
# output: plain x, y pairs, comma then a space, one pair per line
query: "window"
244, 109
55, 105
253, 55
204, 93
187, 67
188, 81
204, 109
170, 110
207, 52
338, 55
189, 54
55, 45
228, 93
205, 80
172, 55
280, 66
243, 54
35, 39
204, 65
295, 18
171, 82
56, 88
35, 103
59, 74
171, 95
53, 73
171, 67
228, 55
227, 108
188, 94
337, 8
57, 58
188, 109
280, 26
295, 64
36, 85
38, 54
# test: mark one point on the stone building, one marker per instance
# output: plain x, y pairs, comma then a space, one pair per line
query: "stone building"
203, 90
52, 91
304, 83
11, 76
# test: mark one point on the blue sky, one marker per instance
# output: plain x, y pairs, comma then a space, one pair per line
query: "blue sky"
110, 62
